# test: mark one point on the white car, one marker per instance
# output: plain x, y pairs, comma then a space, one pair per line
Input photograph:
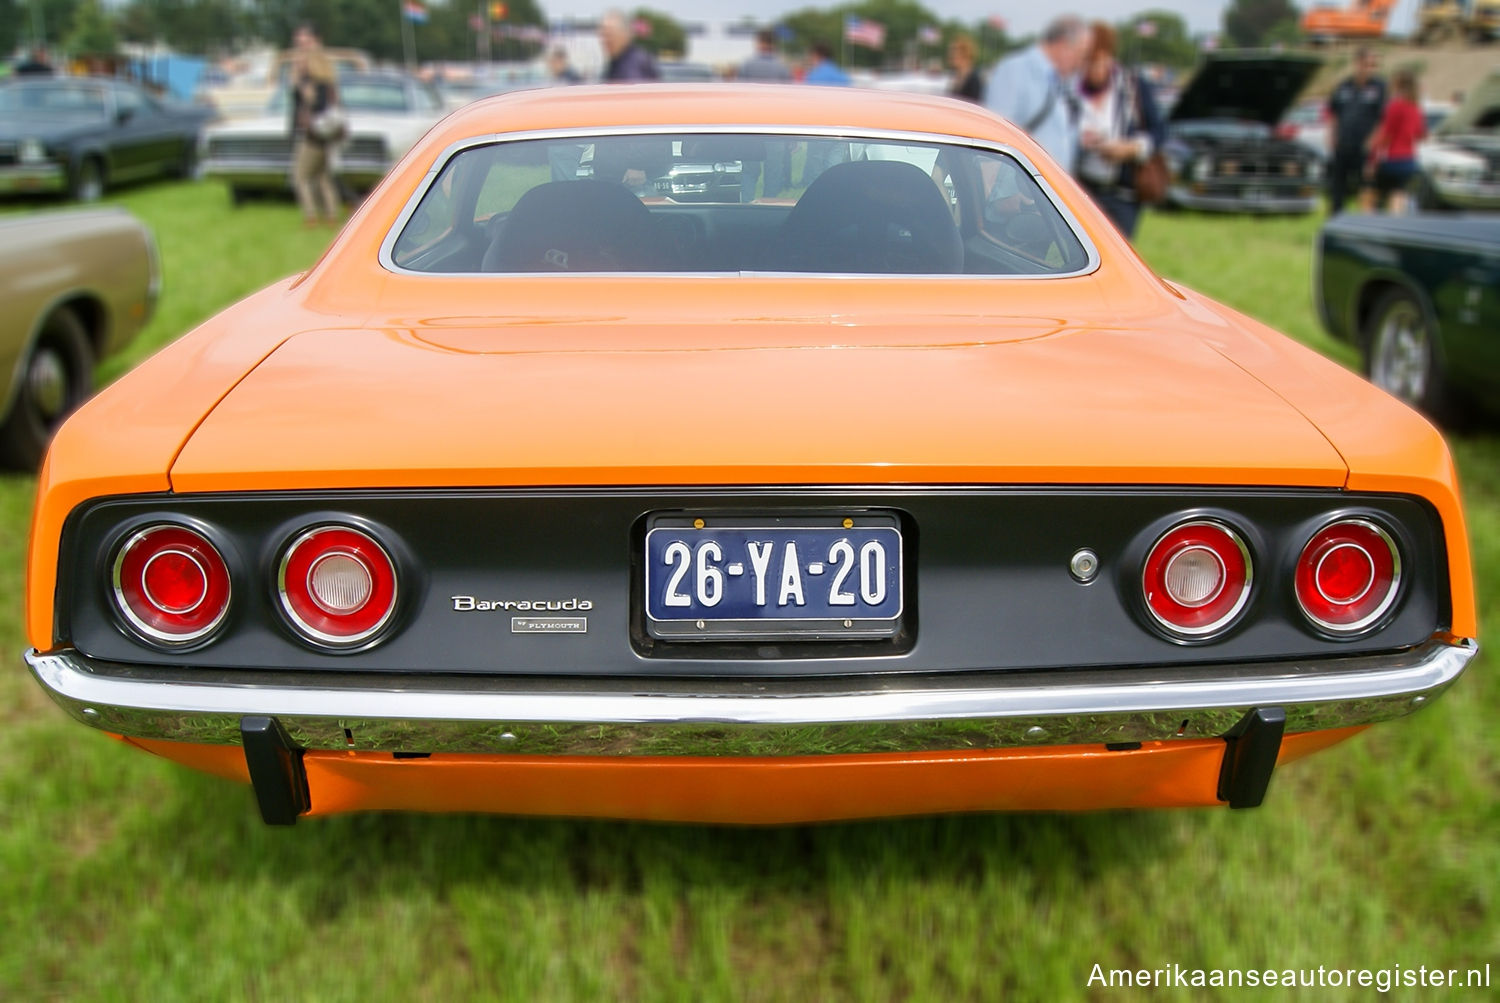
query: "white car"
1460, 164
387, 113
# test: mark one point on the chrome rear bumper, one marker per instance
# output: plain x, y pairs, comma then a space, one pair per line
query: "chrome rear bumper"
513, 715
1219, 202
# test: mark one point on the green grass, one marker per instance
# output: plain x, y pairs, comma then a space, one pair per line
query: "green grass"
124, 877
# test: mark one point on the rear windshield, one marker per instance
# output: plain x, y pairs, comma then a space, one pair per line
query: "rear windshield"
736, 203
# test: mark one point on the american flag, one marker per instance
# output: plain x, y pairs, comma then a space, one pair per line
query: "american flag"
863, 31
1146, 29
414, 11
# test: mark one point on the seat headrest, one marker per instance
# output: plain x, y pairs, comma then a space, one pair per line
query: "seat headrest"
574, 226
882, 216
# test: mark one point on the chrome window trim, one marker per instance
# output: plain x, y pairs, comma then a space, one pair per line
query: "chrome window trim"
388, 244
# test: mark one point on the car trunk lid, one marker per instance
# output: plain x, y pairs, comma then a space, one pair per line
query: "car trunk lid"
785, 404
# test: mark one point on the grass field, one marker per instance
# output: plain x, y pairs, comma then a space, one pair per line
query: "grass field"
123, 877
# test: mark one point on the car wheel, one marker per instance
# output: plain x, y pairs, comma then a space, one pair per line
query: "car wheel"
57, 376
88, 180
1401, 354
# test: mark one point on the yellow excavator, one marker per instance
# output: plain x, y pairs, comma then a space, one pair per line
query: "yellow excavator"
1442, 20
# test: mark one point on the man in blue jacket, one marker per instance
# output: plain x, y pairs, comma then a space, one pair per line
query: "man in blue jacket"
628, 61
1034, 88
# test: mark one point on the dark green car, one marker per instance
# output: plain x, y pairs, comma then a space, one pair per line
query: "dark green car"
1420, 297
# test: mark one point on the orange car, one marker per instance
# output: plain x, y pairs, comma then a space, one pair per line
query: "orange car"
579, 478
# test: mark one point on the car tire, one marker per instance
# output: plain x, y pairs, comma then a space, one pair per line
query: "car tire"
56, 377
88, 180
1401, 354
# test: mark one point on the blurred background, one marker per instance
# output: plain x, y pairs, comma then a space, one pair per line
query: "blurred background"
125, 878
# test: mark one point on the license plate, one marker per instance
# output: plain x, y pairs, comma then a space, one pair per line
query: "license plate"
774, 578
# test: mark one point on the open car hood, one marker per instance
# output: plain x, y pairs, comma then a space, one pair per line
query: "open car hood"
1479, 112
374, 409
1249, 86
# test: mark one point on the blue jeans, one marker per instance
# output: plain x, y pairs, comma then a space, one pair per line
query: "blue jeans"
1124, 212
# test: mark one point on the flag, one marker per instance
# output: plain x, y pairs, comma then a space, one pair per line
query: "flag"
640, 28
414, 11
929, 35
1145, 29
863, 31
997, 22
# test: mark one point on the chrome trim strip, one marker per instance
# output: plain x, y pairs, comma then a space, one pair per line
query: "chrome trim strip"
718, 717
387, 246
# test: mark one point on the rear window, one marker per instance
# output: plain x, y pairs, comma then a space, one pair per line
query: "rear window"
736, 203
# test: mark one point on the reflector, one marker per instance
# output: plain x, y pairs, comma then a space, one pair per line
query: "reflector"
171, 585
337, 586
1348, 576
339, 583
174, 582
1196, 578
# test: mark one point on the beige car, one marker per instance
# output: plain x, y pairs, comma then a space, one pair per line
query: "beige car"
77, 285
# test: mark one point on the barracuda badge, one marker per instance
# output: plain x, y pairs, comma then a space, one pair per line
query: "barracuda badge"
466, 604
532, 624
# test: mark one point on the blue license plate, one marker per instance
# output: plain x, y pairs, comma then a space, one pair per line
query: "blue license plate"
806, 577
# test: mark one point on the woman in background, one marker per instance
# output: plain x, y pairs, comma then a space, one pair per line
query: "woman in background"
1393, 148
967, 84
1119, 129
316, 129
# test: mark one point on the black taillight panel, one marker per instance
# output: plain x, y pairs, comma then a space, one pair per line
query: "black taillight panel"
988, 585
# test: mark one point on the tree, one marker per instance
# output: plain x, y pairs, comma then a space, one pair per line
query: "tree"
198, 27
92, 32
1248, 23
375, 26
1160, 37
663, 35
34, 22
902, 20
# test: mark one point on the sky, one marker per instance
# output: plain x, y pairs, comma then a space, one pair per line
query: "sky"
1022, 18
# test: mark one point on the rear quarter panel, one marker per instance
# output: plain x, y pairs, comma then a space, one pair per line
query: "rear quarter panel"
1387, 446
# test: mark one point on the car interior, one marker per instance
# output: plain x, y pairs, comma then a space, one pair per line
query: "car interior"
674, 204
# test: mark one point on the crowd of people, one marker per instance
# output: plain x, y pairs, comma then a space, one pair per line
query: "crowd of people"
1375, 134
1068, 91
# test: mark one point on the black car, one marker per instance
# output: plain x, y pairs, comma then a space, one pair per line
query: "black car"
1223, 152
1420, 297
81, 135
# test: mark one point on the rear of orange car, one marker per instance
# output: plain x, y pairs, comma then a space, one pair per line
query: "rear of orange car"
440, 526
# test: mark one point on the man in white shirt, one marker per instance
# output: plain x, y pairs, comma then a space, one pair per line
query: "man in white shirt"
1034, 88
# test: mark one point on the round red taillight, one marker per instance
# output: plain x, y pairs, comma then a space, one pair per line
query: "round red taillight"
1348, 575
171, 584
337, 586
1197, 578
